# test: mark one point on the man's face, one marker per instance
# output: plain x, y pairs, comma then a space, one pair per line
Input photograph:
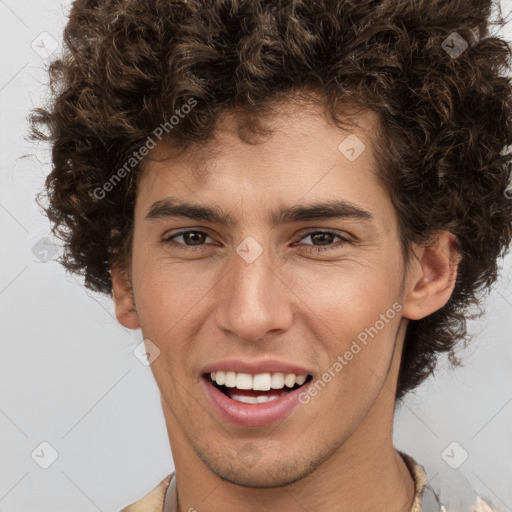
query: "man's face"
263, 299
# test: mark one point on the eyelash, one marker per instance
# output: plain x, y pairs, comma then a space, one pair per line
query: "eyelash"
317, 249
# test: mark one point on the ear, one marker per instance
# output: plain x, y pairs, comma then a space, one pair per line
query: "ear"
124, 302
432, 276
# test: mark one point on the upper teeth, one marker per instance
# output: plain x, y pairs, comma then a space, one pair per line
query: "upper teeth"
258, 382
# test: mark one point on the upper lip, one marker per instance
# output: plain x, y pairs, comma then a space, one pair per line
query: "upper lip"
255, 367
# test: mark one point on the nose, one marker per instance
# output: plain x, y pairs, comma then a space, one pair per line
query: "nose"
253, 299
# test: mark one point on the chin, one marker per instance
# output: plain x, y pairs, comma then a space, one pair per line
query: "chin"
262, 473
262, 477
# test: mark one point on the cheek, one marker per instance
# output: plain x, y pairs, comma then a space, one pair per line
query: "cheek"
170, 296
353, 313
347, 297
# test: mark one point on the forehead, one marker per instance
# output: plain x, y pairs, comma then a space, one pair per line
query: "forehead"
296, 127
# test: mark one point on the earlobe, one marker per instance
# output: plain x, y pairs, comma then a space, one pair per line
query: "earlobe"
124, 303
432, 278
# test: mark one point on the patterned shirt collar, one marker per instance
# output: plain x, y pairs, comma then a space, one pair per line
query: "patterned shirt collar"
425, 500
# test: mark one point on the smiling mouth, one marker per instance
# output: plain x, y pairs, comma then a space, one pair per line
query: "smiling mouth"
256, 389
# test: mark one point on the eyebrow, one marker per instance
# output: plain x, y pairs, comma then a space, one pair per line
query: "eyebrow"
334, 209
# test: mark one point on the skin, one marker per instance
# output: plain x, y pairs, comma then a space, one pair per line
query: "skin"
336, 452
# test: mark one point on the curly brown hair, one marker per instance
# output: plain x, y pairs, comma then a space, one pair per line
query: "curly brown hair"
445, 118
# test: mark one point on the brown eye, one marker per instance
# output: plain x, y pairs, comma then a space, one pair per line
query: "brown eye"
190, 238
194, 237
322, 237
323, 240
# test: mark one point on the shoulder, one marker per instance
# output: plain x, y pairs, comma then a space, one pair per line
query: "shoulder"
482, 506
153, 501
427, 498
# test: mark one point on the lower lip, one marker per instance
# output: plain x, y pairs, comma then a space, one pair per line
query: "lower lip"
252, 415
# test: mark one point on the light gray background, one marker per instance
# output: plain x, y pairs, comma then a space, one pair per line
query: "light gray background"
68, 375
